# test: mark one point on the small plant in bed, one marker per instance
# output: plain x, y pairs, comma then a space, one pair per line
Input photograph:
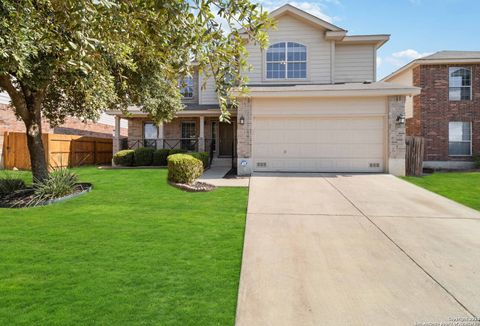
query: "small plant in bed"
59, 184
183, 170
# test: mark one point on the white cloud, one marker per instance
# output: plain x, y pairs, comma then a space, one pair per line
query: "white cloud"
379, 61
400, 58
410, 54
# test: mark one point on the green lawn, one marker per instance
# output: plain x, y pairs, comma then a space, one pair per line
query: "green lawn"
461, 187
133, 251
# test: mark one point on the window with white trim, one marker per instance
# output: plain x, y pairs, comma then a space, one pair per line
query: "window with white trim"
186, 87
460, 84
459, 138
286, 60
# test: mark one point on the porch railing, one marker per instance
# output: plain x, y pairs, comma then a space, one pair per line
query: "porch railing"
188, 144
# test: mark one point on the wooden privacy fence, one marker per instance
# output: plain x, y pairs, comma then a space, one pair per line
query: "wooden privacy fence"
414, 155
60, 150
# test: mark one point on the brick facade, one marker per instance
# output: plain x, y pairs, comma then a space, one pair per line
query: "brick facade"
172, 129
433, 110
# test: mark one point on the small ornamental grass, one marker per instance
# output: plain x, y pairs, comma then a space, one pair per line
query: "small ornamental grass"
184, 168
60, 183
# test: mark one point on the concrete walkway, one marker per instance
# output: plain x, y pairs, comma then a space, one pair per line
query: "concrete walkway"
356, 250
215, 175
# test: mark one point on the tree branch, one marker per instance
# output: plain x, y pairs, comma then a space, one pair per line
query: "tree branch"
17, 97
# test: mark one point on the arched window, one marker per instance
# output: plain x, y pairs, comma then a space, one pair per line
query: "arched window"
186, 87
287, 60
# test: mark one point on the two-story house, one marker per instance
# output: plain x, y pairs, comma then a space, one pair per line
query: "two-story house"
447, 112
313, 106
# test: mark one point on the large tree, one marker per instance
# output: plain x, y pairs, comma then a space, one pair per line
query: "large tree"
62, 58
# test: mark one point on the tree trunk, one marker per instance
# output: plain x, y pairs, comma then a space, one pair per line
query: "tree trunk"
27, 104
36, 150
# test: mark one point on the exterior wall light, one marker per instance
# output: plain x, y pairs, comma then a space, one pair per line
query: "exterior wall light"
401, 119
242, 120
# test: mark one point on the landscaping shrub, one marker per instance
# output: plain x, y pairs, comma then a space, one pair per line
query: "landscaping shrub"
143, 156
60, 183
177, 151
9, 185
202, 156
476, 161
124, 157
184, 168
160, 157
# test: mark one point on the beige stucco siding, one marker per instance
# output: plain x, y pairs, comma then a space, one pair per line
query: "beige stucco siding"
405, 78
354, 63
354, 106
290, 29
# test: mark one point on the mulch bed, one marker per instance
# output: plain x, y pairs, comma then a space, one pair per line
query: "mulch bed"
194, 187
24, 198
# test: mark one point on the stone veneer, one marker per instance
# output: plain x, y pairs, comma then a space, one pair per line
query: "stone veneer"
244, 136
396, 136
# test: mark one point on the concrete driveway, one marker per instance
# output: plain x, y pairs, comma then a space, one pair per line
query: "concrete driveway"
326, 249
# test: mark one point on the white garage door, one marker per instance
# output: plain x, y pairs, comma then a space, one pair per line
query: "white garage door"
318, 144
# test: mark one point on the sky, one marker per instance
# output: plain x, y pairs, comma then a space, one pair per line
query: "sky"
417, 27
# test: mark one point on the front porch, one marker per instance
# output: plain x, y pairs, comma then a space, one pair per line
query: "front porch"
190, 132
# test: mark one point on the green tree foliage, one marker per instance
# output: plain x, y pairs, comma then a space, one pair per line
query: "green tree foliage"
62, 58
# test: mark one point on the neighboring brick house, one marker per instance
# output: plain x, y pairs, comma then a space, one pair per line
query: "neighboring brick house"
72, 126
447, 112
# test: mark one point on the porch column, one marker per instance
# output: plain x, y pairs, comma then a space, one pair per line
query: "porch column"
161, 136
201, 138
116, 136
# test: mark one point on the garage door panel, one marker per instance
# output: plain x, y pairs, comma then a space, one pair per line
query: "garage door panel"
322, 144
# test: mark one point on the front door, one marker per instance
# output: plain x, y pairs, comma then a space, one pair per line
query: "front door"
226, 139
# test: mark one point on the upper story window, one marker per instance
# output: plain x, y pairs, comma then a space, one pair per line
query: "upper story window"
460, 84
287, 60
186, 87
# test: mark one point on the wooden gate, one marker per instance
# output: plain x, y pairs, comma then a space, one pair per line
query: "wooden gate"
60, 150
414, 155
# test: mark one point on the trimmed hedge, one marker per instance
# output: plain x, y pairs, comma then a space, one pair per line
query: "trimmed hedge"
143, 156
202, 156
160, 157
125, 157
184, 168
177, 151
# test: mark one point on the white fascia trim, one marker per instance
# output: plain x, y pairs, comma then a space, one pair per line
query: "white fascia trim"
288, 8
378, 40
282, 92
137, 113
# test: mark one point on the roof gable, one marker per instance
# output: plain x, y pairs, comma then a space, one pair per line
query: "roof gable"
288, 9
